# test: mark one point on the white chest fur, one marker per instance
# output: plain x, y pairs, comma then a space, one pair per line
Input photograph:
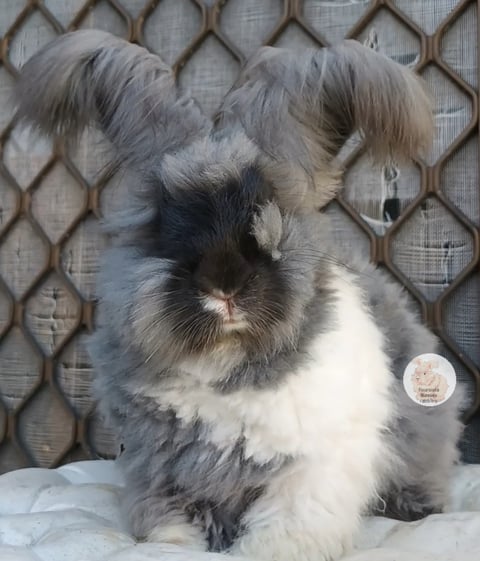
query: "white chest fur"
337, 401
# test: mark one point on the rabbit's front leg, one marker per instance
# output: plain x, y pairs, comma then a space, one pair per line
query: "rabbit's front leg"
159, 519
303, 515
178, 531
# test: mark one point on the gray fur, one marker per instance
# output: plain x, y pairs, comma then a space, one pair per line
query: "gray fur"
300, 108
267, 228
425, 438
159, 451
186, 475
279, 127
93, 76
261, 373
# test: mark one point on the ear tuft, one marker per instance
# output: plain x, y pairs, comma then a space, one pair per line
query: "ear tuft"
301, 107
386, 102
92, 76
267, 229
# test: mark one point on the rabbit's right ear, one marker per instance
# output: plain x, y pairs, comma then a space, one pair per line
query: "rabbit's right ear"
301, 107
130, 93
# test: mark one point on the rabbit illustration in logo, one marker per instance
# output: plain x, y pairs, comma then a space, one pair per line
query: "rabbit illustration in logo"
429, 385
253, 376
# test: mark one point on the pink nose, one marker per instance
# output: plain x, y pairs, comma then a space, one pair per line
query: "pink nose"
226, 299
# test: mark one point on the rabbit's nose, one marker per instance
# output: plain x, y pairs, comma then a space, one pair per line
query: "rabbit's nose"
223, 304
223, 295
225, 301
223, 275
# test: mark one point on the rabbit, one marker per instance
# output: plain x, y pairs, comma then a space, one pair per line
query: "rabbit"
428, 384
253, 377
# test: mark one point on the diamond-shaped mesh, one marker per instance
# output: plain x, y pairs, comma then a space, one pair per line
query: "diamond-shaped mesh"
420, 223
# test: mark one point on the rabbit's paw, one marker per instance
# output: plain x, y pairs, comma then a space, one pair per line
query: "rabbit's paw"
279, 544
183, 534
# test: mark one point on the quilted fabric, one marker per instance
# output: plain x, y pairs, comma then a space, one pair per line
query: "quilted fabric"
73, 514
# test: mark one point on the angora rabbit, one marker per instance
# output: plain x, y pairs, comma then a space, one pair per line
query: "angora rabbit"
254, 380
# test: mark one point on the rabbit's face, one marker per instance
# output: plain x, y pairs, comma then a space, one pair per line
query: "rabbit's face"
421, 376
236, 272
424, 371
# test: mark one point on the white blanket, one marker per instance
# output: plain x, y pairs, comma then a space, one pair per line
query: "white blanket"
73, 514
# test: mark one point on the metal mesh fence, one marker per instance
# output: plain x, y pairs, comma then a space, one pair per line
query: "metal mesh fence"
420, 222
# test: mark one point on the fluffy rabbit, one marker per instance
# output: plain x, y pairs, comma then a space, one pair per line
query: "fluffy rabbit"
254, 380
428, 384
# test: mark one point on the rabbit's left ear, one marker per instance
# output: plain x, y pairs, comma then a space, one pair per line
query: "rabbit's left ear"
300, 108
93, 76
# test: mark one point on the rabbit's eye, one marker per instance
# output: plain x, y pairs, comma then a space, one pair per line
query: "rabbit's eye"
249, 248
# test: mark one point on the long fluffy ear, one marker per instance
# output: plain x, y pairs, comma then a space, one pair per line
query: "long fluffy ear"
300, 108
87, 76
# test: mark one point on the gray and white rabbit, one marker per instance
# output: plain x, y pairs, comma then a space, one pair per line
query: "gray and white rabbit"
254, 379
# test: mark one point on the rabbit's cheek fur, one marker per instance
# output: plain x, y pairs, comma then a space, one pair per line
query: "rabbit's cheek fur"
175, 315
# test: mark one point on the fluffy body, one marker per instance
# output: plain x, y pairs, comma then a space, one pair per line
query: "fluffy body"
254, 380
320, 439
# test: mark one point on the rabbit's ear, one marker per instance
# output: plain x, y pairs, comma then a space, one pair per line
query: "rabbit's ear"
87, 76
300, 108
